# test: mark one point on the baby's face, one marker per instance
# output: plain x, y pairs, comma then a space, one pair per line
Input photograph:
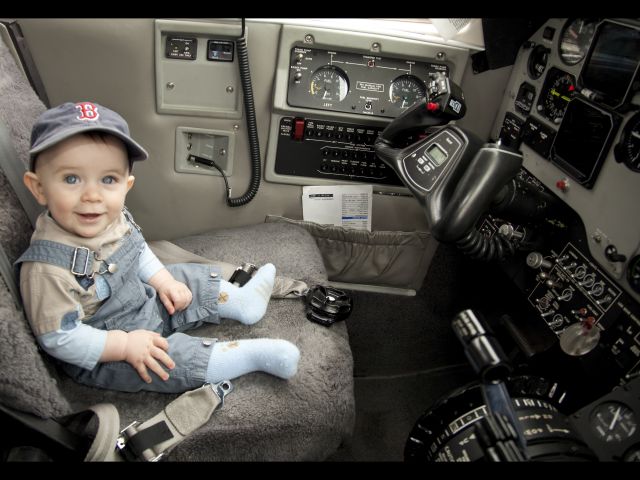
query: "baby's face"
84, 182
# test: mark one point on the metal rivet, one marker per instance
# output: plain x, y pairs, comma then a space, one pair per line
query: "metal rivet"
214, 275
112, 268
171, 85
308, 38
441, 55
375, 46
207, 343
229, 89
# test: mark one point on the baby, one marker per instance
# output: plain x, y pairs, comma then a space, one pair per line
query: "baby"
96, 296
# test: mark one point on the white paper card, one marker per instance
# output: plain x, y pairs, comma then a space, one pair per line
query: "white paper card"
346, 206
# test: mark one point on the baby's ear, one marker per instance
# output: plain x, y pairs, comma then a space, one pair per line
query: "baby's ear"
130, 181
34, 185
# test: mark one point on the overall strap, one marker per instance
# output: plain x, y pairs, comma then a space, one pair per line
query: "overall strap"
80, 261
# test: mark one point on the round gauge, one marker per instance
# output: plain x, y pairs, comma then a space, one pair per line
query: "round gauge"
558, 90
575, 39
406, 90
632, 455
613, 422
329, 84
633, 273
628, 150
538, 61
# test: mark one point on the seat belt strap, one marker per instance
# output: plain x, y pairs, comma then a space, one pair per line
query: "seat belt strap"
155, 438
7, 273
14, 169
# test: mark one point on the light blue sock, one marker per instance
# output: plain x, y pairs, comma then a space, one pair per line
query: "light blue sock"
248, 303
230, 360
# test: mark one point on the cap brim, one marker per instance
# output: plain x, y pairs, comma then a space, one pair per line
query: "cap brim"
136, 152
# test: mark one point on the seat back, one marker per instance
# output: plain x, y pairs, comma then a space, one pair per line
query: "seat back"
28, 383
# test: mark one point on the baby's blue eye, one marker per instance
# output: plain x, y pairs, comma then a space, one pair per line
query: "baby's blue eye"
71, 179
109, 179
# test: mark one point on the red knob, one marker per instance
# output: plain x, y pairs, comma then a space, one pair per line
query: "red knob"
563, 184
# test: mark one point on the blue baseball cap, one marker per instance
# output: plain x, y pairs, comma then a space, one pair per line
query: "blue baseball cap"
69, 119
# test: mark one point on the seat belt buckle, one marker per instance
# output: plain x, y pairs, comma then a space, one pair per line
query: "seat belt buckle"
127, 453
141, 442
242, 274
221, 389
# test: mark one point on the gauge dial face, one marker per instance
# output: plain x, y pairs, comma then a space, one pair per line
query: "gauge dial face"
538, 61
575, 40
406, 90
628, 150
632, 455
558, 90
613, 422
633, 273
329, 84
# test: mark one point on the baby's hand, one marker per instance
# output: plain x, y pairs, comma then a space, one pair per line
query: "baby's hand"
174, 295
143, 349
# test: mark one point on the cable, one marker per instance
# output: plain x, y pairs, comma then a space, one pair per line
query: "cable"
252, 130
478, 246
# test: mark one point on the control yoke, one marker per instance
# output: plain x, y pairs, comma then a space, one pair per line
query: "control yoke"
449, 171
444, 102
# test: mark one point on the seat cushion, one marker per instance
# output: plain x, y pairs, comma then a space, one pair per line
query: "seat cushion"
265, 417
292, 250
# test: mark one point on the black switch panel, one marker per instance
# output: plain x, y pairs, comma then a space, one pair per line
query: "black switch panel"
538, 136
182, 48
331, 151
511, 132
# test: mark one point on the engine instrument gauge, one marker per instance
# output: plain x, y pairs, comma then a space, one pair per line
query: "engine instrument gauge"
633, 273
632, 455
558, 90
575, 40
613, 421
538, 61
329, 84
406, 90
628, 150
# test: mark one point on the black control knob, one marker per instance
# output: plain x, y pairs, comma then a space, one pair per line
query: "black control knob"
611, 252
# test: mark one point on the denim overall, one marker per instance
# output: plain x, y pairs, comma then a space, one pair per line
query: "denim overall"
134, 305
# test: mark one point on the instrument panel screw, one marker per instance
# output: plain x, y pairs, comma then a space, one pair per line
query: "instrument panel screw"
308, 38
375, 46
441, 56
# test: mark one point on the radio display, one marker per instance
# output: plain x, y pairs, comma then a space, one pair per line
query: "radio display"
437, 154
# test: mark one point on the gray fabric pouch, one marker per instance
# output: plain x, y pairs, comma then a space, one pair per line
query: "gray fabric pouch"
385, 258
